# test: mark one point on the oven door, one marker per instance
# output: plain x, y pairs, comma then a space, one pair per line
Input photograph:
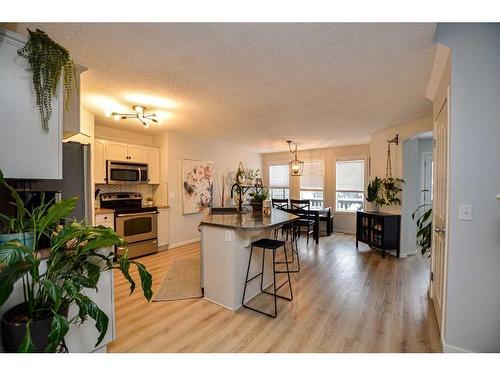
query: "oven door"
126, 173
135, 227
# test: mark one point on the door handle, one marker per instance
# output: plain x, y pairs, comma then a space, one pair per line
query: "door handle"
440, 230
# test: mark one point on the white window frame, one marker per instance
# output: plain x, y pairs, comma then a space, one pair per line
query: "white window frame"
322, 161
271, 188
365, 180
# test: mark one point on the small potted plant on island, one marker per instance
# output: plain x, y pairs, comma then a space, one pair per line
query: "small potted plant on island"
77, 256
258, 197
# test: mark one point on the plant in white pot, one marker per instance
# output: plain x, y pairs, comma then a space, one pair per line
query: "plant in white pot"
77, 256
372, 194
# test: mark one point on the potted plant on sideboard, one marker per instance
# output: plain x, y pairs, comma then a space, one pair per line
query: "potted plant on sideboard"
372, 194
77, 256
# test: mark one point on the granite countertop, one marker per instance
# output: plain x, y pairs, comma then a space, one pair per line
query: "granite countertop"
247, 221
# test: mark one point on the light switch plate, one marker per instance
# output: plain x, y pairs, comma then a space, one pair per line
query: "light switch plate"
465, 212
228, 236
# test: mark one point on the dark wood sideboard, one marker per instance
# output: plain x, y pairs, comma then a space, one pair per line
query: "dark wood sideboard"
379, 230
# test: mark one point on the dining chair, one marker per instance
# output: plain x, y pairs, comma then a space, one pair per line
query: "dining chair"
303, 204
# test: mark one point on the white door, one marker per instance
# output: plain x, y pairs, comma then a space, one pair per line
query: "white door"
99, 162
439, 243
116, 151
137, 154
153, 160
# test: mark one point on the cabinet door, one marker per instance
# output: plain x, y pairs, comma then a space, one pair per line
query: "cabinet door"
137, 154
99, 161
26, 151
116, 151
163, 227
153, 160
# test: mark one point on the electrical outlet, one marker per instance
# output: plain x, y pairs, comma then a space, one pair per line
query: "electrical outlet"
228, 236
465, 212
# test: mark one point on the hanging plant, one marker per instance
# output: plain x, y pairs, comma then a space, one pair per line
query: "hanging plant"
47, 61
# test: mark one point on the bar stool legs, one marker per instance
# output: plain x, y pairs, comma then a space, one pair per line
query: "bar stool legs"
275, 246
293, 238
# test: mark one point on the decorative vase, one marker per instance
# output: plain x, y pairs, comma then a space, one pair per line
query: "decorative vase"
26, 238
371, 206
14, 329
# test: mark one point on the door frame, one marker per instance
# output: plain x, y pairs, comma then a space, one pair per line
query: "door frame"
444, 101
422, 172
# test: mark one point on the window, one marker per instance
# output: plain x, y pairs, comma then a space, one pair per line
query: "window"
278, 181
311, 183
350, 180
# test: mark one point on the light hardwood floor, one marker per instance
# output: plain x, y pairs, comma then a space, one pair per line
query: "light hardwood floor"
344, 301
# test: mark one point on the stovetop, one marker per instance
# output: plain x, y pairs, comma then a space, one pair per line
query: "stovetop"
125, 202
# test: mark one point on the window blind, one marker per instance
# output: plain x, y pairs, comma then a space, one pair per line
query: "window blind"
350, 175
312, 178
278, 176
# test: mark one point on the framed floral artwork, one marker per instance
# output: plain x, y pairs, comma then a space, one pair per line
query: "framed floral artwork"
197, 185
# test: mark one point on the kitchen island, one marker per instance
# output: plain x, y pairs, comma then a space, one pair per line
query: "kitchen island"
225, 249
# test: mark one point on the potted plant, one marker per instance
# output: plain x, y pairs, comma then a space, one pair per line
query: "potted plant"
15, 228
372, 194
77, 256
258, 197
424, 227
389, 192
47, 62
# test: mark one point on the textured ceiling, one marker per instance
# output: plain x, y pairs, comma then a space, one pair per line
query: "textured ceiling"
255, 84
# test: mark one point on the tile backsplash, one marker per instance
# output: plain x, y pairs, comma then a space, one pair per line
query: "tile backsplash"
159, 193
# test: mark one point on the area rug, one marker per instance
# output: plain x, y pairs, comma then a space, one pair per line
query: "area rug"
182, 281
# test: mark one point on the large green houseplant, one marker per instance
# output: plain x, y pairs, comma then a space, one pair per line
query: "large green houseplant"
423, 215
77, 256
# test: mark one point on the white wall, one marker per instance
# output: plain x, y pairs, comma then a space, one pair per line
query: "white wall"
226, 156
343, 221
378, 149
473, 302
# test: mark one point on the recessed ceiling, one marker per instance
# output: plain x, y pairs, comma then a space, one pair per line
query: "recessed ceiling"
257, 85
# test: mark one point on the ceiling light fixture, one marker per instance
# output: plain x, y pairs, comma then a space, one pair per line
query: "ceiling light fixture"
296, 166
140, 114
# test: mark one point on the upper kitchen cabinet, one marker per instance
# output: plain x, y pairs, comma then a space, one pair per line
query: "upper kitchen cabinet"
137, 154
116, 151
119, 151
26, 151
153, 160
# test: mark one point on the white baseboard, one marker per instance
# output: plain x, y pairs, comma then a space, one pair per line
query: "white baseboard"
179, 244
447, 348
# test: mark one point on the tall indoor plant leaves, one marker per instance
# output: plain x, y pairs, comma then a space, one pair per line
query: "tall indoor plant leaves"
78, 255
47, 61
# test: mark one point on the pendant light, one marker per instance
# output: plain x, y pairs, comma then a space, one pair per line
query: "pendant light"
296, 166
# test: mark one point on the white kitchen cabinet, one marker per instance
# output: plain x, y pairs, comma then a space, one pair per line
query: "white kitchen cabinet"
106, 220
26, 151
163, 239
116, 151
137, 153
99, 161
153, 160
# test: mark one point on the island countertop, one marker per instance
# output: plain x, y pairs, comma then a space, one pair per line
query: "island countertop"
248, 221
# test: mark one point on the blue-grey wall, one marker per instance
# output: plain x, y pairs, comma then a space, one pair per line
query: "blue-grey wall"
473, 298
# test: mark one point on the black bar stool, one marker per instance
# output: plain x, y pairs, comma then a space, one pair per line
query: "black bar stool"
268, 244
292, 230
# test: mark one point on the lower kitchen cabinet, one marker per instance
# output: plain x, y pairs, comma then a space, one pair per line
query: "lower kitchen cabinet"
163, 239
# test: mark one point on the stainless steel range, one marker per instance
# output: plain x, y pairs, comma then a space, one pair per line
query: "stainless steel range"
136, 224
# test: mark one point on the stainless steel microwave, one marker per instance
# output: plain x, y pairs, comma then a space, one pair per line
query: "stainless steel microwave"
126, 173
